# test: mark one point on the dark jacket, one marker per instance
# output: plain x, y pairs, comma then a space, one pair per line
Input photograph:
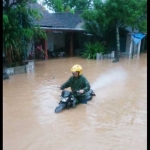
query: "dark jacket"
77, 83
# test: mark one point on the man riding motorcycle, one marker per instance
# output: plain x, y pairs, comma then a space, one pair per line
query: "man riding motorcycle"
79, 85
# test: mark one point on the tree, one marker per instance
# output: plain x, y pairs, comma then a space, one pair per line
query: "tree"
68, 5
115, 14
19, 29
97, 23
124, 13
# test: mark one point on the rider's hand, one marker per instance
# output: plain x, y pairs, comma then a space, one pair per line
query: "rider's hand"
81, 91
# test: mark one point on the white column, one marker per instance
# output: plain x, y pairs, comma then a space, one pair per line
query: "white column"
131, 48
139, 46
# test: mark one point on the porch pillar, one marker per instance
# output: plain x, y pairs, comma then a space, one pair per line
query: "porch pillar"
46, 47
71, 44
139, 46
131, 48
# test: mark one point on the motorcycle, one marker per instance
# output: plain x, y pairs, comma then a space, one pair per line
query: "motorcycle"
67, 99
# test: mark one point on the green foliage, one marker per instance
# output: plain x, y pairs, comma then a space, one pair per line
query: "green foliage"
90, 15
67, 5
55, 5
39, 33
5, 19
19, 29
111, 15
91, 50
126, 12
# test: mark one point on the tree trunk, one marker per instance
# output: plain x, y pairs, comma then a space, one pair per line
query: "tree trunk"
117, 52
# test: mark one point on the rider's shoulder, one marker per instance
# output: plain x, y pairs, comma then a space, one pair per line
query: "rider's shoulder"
71, 77
82, 76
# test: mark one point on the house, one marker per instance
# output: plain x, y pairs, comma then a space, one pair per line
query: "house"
64, 31
66, 35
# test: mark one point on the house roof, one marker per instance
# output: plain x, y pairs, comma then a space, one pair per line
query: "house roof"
65, 20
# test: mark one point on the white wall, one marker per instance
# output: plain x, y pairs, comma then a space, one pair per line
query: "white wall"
59, 40
55, 39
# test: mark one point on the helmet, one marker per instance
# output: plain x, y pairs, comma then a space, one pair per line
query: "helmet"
77, 68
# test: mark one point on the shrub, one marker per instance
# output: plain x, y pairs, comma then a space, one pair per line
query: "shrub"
91, 50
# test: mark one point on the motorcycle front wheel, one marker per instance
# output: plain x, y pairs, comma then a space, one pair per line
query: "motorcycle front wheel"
60, 107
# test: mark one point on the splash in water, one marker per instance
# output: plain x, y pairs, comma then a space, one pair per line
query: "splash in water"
109, 77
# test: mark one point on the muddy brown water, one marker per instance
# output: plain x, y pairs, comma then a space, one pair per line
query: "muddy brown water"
116, 119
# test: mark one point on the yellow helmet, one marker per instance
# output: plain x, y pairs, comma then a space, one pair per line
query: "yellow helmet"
77, 68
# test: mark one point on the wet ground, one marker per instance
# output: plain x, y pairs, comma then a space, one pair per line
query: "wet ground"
116, 119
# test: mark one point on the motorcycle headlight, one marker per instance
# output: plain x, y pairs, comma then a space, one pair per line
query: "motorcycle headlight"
64, 99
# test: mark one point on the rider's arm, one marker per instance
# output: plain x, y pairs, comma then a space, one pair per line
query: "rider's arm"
66, 84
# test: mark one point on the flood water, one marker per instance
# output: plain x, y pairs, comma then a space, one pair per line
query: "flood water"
116, 119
